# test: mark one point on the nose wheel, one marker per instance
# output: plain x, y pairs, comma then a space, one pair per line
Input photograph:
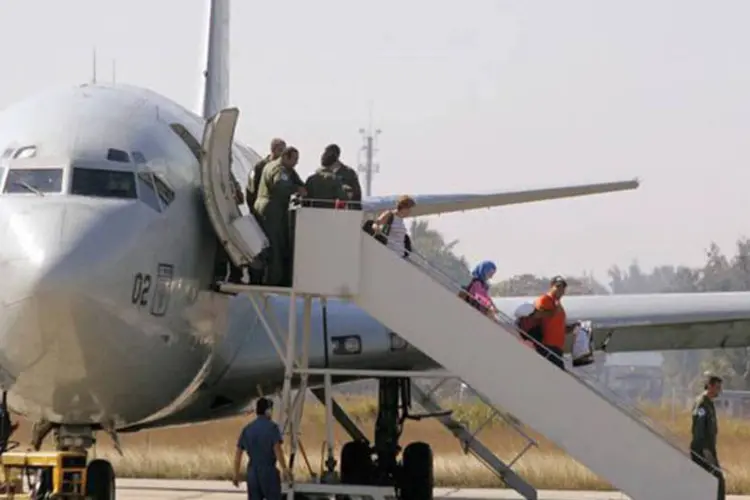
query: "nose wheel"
100, 480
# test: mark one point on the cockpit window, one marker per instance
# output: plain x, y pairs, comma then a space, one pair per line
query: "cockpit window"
138, 158
103, 183
34, 180
118, 155
25, 152
146, 190
188, 139
166, 193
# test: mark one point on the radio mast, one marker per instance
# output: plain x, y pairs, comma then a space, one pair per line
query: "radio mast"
368, 166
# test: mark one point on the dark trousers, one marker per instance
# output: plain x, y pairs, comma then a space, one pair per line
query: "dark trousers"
257, 275
553, 355
235, 274
263, 483
715, 471
224, 264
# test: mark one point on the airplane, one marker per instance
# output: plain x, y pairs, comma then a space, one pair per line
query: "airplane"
109, 321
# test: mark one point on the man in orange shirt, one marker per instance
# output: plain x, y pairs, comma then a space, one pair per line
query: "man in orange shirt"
552, 314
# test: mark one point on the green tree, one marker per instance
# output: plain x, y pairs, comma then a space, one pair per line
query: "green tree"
529, 284
431, 244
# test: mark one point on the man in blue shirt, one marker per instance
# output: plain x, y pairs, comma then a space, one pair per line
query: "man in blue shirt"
261, 440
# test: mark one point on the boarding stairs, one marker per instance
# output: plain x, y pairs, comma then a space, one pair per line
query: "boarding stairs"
471, 444
333, 257
611, 439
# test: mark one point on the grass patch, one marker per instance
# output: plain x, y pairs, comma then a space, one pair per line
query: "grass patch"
205, 451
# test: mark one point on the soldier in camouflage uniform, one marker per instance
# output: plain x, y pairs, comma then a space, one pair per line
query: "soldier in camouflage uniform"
253, 180
323, 187
346, 175
705, 431
278, 183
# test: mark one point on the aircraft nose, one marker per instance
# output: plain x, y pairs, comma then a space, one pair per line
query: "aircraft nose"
51, 254
30, 252
42, 249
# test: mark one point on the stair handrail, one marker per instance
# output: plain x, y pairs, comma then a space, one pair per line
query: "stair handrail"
508, 324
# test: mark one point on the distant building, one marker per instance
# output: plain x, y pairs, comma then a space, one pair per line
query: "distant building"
735, 404
638, 359
635, 375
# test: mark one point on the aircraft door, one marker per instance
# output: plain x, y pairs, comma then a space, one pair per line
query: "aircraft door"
240, 235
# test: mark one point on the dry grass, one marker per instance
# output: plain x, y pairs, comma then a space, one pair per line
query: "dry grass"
205, 451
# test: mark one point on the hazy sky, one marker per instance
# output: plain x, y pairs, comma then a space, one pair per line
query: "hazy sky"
471, 96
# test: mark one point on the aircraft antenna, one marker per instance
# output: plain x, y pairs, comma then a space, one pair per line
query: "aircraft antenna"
369, 167
93, 67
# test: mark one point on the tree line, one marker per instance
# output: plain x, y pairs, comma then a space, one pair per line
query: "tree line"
720, 273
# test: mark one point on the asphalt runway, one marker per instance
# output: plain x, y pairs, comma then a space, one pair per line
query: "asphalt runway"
163, 489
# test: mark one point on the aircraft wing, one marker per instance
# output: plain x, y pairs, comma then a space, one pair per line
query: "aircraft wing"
430, 204
654, 322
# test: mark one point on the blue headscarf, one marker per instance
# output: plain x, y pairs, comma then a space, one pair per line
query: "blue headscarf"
482, 271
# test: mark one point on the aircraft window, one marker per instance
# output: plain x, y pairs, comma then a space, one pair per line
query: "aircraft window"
146, 190
25, 152
166, 193
138, 157
188, 139
103, 183
118, 155
34, 180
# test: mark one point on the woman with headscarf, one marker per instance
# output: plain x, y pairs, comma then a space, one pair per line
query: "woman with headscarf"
478, 289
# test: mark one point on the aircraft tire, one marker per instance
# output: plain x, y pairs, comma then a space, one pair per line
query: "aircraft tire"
418, 474
356, 463
100, 480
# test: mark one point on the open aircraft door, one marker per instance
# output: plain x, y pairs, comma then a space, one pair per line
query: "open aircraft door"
240, 235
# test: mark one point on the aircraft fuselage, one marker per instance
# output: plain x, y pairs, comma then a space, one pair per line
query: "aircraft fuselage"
107, 317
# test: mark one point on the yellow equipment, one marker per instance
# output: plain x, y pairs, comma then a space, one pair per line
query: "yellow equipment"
63, 471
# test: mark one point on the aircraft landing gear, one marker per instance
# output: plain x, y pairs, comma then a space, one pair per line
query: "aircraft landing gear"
100, 476
100, 480
413, 477
73, 443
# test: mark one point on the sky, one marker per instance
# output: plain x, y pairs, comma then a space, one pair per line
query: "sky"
470, 97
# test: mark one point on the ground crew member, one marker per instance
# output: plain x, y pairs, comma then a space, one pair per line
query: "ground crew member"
552, 314
251, 190
705, 431
261, 440
347, 175
323, 187
277, 185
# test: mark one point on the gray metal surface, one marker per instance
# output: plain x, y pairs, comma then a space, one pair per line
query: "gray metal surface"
471, 443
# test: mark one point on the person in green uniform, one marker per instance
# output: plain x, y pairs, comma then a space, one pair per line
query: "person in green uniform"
256, 270
705, 431
253, 180
348, 177
277, 185
323, 187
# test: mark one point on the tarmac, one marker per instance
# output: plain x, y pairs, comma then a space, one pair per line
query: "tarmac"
167, 489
